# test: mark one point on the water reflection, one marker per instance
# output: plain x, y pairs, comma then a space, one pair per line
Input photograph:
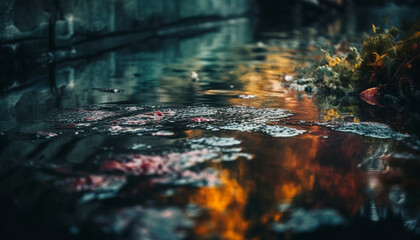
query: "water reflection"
128, 161
298, 172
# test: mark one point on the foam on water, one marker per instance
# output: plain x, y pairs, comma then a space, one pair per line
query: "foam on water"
157, 120
271, 130
369, 129
215, 141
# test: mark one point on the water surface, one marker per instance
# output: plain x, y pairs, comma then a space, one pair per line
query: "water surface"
133, 147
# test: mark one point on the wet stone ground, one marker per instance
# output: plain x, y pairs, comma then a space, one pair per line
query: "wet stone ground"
137, 146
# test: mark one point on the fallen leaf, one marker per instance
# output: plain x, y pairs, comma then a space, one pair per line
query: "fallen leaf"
371, 96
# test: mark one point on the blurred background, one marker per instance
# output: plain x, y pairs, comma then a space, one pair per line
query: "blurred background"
36, 32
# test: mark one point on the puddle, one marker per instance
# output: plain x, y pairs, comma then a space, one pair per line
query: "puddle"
206, 137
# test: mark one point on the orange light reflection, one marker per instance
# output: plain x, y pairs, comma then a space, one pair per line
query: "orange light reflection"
283, 169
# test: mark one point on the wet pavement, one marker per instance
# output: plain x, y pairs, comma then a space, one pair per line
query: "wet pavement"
134, 145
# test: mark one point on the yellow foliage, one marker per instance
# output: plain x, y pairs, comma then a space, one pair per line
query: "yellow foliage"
378, 60
331, 115
414, 36
332, 61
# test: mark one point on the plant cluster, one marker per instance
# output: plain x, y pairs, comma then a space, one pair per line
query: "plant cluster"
387, 62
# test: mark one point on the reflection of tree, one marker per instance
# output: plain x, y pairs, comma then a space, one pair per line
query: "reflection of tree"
353, 109
302, 171
333, 107
226, 207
